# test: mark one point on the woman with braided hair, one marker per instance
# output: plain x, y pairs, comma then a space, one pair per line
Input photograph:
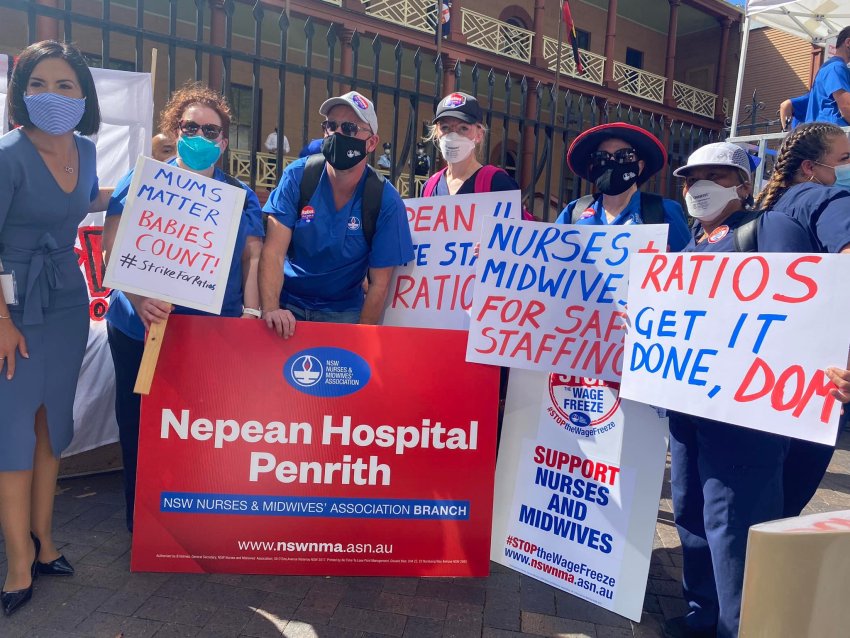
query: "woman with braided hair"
810, 184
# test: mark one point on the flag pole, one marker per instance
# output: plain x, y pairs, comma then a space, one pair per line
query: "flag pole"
439, 29
558, 63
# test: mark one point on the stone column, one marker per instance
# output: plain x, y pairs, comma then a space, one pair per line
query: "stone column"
670, 65
610, 41
720, 78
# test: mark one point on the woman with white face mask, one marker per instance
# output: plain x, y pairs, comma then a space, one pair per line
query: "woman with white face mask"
458, 132
48, 183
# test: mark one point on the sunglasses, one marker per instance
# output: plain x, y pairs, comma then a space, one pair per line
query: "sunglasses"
620, 156
348, 129
190, 128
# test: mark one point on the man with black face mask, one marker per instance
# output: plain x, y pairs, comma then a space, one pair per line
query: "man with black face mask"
333, 219
617, 158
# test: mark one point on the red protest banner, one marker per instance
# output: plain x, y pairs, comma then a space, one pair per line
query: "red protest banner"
345, 450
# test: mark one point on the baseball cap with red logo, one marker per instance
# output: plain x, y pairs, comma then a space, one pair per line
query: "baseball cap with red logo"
461, 106
364, 108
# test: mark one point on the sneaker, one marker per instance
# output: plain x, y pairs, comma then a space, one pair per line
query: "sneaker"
678, 628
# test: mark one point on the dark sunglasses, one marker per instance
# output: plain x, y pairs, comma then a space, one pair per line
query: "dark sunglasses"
349, 129
620, 156
190, 128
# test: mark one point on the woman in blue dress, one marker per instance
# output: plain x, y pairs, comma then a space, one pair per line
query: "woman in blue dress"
199, 119
48, 183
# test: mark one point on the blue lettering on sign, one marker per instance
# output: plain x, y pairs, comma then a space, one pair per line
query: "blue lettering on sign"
580, 419
327, 372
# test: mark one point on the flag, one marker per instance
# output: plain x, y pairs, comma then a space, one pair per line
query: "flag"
571, 36
442, 26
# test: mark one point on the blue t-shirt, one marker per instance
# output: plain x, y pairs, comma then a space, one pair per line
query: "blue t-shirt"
121, 313
833, 76
722, 238
678, 234
822, 214
799, 108
328, 254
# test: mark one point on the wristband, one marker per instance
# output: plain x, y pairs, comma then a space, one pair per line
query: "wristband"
254, 312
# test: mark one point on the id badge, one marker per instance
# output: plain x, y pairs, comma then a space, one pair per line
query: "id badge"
10, 288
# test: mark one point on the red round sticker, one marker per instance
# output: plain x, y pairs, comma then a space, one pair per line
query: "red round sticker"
718, 233
308, 213
588, 212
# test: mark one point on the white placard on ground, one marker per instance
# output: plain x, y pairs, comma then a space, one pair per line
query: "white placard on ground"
740, 338
578, 480
552, 297
435, 289
176, 236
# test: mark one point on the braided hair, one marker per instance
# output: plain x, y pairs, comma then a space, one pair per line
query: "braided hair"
807, 142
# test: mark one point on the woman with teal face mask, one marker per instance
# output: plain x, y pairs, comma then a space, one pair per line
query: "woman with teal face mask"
198, 118
48, 183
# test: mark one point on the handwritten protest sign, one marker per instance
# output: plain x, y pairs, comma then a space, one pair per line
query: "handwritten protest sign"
553, 297
176, 236
576, 498
739, 338
435, 289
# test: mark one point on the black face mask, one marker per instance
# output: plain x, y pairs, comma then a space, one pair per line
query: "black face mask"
343, 152
613, 179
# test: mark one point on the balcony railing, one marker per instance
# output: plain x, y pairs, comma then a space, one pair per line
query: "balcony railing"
593, 62
639, 83
690, 98
416, 14
499, 37
240, 167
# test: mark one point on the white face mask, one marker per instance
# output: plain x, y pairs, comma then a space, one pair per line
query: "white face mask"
455, 147
706, 200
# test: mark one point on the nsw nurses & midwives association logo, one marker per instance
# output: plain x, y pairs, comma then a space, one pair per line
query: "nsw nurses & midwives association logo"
327, 372
583, 406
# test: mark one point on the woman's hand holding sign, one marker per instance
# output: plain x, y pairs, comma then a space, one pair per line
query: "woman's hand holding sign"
150, 310
841, 379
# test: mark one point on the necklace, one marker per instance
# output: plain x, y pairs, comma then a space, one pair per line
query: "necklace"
69, 169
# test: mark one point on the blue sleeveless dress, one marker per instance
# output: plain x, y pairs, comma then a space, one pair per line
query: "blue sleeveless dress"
38, 227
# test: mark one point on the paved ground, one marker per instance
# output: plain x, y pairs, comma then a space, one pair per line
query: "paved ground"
104, 599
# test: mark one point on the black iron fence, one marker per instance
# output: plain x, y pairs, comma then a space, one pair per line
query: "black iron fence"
280, 67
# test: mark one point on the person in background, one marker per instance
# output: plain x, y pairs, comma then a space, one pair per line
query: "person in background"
199, 119
333, 219
422, 163
385, 160
617, 159
313, 147
829, 98
792, 112
163, 147
272, 142
48, 184
810, 184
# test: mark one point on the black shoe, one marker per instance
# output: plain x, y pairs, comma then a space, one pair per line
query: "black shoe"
34, 567
57, 567
678, 628
14, 600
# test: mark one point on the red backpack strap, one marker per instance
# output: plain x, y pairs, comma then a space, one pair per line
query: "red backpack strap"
431, 184
484, 178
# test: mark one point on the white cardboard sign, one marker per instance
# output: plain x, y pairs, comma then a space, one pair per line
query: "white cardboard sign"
578, 479
552, 297
435, 289
740, 338
176, 236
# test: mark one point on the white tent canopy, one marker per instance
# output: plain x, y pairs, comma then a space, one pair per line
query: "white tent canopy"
814, 20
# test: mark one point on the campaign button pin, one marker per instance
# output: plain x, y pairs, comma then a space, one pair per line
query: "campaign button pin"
718, 233
308, 213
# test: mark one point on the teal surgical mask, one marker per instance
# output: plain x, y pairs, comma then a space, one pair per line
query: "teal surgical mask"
197, 152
